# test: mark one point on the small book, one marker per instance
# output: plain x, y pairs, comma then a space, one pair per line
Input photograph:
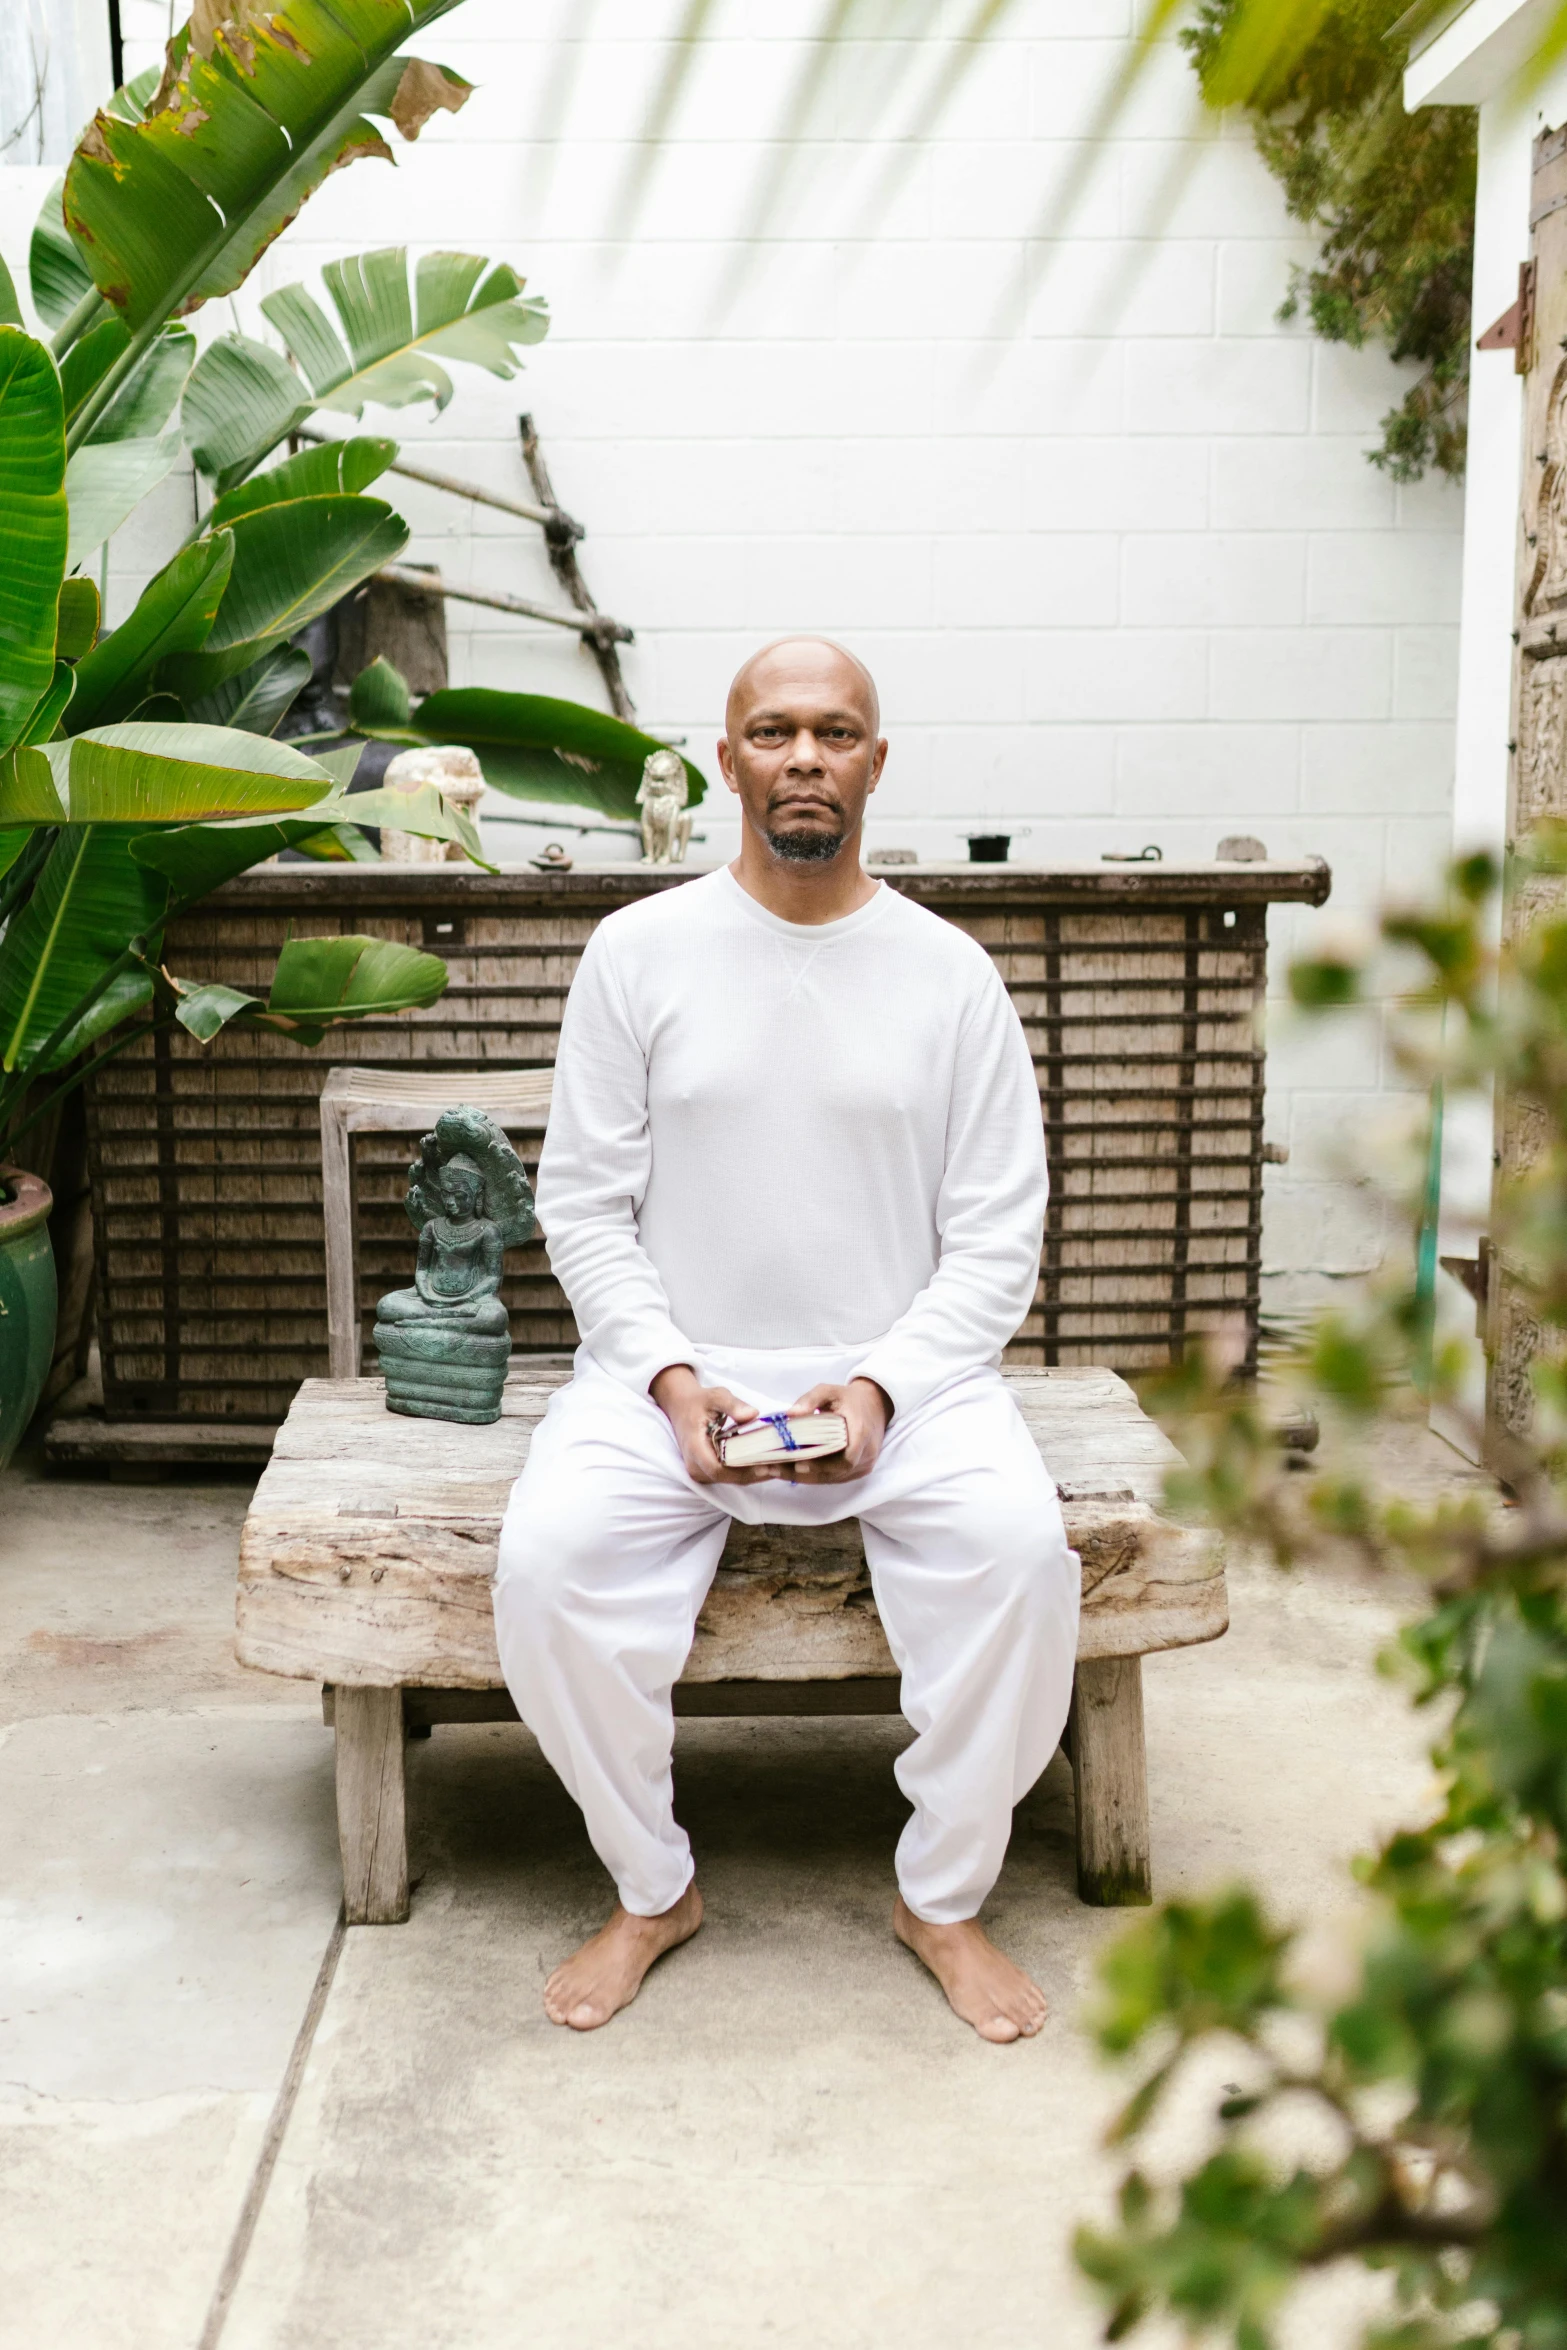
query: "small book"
783, 1436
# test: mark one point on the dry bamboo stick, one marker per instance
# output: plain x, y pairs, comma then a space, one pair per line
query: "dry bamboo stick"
594, 625
547, 517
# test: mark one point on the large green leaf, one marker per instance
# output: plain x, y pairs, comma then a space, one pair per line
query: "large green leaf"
296, 558
319, 983
254, 109
76, 624
422, 809
58, 275
146, 400
157, 774
197, 858
129, 991
319, 980
330, 468
379, 697
49, 709
293, 558
89, 902
106, 481
10, 307
61, 281
173, 615
240, 402
392, 340
259, 697
90, 358
33, 524
537, 748
149, 396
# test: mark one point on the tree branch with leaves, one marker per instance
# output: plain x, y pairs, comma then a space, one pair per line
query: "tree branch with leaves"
1442, 2076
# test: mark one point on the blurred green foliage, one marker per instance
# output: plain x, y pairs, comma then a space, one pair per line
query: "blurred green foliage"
1436, 2075
1393, 194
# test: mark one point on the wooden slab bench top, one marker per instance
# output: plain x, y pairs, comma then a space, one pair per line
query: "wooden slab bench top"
369, 1548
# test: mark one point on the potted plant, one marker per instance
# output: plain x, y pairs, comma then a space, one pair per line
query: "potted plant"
27, 1300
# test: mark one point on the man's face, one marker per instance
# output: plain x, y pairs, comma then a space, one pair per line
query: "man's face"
802, 751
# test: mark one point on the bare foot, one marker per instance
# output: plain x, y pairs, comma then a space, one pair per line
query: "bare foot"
606, 1974
982, 1986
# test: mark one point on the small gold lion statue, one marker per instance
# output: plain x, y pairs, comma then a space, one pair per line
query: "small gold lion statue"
666, 820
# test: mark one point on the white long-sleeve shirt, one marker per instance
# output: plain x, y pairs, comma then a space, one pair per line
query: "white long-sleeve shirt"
767, 1134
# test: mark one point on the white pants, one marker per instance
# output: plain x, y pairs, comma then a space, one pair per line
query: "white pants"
608, 1550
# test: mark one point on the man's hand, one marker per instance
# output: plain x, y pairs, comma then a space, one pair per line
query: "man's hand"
690, 1408
867, 1409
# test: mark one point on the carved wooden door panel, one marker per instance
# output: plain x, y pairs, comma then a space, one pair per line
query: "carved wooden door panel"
1537, 786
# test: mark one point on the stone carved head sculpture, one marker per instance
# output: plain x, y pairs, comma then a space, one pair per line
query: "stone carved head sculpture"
456, 775
662, 796
459, 1186
444, 1343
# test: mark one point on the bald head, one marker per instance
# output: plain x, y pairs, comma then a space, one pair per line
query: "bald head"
828, 672
803, 749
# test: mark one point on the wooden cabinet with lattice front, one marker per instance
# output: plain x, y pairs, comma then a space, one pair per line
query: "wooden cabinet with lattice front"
1139, 988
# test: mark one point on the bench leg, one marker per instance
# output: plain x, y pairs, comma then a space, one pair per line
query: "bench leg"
1110, 1766
372, 1820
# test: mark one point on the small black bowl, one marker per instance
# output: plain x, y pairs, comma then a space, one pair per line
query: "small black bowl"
988, 848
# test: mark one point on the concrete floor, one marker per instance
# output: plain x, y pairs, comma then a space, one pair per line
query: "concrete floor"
787, 2140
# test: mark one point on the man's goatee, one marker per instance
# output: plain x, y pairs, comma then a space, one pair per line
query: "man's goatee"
805, 848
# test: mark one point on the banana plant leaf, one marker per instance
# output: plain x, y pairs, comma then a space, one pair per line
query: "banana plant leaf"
259, 697
89, 358
341, 762
128, 992
90, 900
106, 481
12, 844
319, 983
56, 272
198, 858
296, 558
254, 109
50, 708
340, 844
332, 468
147, 399
60, 278
76, 624
240, 402
34, 525
537, 748
149, 395
173, 615
389, 342
195, 858
10, 307
156, 774
422, 810
379, 697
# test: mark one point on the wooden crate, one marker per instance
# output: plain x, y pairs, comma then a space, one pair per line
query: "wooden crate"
1139, 988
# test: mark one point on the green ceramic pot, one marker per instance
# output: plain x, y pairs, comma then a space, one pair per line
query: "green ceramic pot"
28, 1302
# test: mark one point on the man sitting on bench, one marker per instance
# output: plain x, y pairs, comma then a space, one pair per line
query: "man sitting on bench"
795, 1158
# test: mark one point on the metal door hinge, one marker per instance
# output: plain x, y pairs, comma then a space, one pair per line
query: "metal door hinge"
1514, 330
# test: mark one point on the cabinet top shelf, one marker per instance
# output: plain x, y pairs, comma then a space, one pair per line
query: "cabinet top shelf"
598, 886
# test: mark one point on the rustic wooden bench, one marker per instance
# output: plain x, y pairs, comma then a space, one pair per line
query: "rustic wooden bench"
368, 1551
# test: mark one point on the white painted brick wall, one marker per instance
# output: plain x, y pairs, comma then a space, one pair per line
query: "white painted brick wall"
1106, 534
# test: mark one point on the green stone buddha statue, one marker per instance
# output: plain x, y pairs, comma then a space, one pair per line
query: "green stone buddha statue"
444, 1343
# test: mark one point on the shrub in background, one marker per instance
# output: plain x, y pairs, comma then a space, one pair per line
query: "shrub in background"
1439, 2083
